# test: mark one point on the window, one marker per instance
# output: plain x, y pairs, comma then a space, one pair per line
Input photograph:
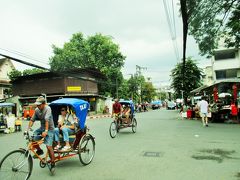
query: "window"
230, 73
224, 55
221, 74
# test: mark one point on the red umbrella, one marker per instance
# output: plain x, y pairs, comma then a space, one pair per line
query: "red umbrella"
234, 87
215, 93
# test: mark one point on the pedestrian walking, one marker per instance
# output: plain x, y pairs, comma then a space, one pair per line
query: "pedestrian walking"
204, 109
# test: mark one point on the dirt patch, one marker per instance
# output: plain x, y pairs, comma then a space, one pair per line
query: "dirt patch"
238, 175
217, 155
204, 157
219, 152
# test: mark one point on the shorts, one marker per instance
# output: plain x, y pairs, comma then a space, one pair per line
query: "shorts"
48, 140
204, 114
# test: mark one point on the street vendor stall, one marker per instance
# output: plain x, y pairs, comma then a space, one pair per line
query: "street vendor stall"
221, 95
7, 119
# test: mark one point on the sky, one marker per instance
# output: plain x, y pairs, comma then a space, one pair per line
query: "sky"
139, 27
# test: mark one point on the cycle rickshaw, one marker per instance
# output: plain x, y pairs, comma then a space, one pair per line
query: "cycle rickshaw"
18, 164
118, 123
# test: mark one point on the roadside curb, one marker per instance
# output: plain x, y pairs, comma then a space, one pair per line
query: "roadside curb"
98, 116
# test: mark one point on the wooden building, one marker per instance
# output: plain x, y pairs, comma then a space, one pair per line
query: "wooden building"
82, 83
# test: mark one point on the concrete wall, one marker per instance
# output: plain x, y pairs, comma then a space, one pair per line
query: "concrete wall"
6, 67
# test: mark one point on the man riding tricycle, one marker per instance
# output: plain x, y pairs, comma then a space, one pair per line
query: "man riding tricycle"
123, 117
19, 163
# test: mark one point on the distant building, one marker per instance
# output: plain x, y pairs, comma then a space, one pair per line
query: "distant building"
208, 76
81, 84
6, 66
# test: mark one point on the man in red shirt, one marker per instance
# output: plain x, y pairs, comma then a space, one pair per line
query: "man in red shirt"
117, 108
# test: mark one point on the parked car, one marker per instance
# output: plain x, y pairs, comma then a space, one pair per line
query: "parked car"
156, 104
171, 105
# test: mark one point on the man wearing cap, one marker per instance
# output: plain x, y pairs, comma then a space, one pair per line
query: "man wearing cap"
44, 114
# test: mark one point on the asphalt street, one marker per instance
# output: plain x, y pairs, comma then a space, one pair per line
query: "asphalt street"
164, 147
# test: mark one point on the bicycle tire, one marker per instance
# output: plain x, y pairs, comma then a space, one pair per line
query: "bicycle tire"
134, 125
85, 150
14, 163
113, 129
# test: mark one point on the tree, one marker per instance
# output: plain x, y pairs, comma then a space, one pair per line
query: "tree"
96, 51
73, 55
133, 86
137, 89
14, 74
209, 20
192, 79
124, 91
148, 92
161, 95
32, 71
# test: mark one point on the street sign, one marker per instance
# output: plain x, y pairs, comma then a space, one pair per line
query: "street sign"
74, 88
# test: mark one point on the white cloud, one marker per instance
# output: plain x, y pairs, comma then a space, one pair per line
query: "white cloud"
138, 26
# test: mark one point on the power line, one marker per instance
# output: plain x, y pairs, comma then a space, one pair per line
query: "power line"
174, 24
24, 62
24, 55
70, 74
172, 27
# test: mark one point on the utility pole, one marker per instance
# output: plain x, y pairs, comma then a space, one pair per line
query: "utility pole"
138, 74
132, 75
185, 18
182, 97
117, 87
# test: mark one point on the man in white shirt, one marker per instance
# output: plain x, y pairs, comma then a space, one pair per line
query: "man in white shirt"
203, 105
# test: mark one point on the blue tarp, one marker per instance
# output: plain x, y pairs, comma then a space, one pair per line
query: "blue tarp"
79, 106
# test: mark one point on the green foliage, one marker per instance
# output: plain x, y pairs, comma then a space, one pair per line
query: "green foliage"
96, 51
208, 21
161, 95
148, 92
232, 30
123, 90
14, 74
192, 79
32, 71
137, 89
73, 54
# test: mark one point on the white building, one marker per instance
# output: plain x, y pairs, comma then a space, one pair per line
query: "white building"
226, 64
208, 76
6, 66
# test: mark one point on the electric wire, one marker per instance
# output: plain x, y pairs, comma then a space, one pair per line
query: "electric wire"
172, 27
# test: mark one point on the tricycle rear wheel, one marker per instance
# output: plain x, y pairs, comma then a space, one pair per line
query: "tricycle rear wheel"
134, 125
86, 149
113, 129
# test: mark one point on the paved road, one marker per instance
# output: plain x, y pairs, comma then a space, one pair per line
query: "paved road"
164, 147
